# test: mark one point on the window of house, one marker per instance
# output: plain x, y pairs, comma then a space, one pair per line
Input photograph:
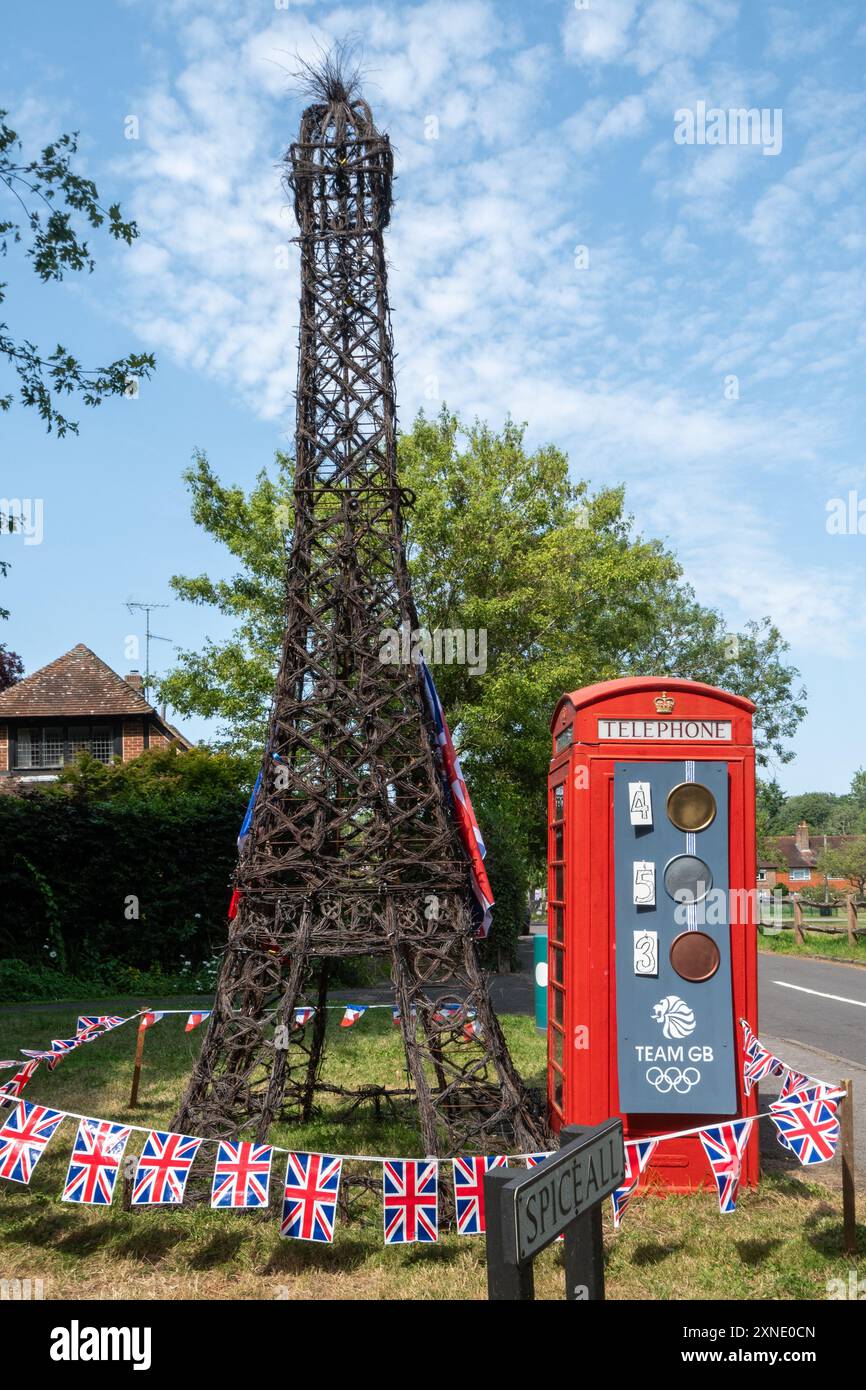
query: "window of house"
762, 875
800, 875
53, 745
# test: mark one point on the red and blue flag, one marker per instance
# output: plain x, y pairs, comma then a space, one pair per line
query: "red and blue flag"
16, 1084
469, 1191
163, 1168
242, 1175
637, 1155
808, 1124
410, 1188
23, 1137
95, 1162
352, 1014
195, 1019
470, 833
310, 1197
724, 1146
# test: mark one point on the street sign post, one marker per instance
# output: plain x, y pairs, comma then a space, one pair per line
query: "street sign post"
561, 1196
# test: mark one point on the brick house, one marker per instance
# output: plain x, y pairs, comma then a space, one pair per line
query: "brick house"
796, 863
72, 704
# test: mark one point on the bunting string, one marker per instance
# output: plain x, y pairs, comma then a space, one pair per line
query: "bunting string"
805, 1118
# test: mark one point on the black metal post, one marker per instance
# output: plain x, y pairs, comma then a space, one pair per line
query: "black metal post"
583, 1243
507, 1281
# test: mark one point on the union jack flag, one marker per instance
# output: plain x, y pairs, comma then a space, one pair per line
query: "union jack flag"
59, 1049
410, 1200
303, 1016
310, 1197
637, 1155
195, 1019
470, 833
794, 1081
469, 1191
91, 1025
23, 1138
352, 1014
757, 1061
242, 1175
4, 1066
810, 1126
16, 1085
444, 1013
95, 1162
533, 1160
163, 1168
724, 1146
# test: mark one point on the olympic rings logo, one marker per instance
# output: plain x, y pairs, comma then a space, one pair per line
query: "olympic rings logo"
673, 1079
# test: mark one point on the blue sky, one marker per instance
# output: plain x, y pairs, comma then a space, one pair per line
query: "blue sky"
554, 127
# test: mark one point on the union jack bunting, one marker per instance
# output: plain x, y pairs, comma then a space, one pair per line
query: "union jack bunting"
724, 1146
757, 1062
637, 1155
163, 1168
469, 1191
60, 1047
242, 1175
310, 1197
467, 825
303, 1016
533, 1160
352, 1014
794, 1081
195, 1019
445, 1012
23, 1137
16, 1062
16, 1084
95, 1162
92, 1025
410, 1200
810, 1127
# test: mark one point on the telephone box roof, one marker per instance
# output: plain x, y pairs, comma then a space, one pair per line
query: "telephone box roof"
604, 690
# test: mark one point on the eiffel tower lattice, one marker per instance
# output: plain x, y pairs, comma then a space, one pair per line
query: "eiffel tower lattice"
353, 848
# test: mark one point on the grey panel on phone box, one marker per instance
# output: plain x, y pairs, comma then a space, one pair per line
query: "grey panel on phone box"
700, 1024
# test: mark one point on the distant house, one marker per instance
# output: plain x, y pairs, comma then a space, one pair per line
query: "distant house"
796, 863
72, 704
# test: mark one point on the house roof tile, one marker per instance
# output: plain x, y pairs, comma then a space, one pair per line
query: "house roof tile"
76, 684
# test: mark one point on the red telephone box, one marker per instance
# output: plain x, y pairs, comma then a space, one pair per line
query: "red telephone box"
652, 915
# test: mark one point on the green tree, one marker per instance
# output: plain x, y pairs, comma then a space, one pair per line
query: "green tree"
52, 203
815, 808
846, 862
500, 541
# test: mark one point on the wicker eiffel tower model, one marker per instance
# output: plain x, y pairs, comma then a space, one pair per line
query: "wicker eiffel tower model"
353, 848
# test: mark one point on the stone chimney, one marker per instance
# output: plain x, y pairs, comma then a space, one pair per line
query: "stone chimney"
801, 839
136, 680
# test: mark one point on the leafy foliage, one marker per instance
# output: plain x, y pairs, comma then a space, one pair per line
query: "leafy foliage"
501, 541
130, 863
49, 193
11, 667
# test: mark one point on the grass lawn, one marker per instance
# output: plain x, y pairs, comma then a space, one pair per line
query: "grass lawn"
784, 1242
817, 944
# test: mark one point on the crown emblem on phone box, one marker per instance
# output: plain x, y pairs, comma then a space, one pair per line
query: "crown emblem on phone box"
664, 703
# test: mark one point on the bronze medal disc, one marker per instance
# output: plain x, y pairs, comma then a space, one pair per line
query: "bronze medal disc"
694, 956
691, 806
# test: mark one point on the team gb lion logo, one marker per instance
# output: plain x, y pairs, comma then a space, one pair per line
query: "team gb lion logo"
675, 1016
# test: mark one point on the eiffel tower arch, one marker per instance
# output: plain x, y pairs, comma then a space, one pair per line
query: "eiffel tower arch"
353, 848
